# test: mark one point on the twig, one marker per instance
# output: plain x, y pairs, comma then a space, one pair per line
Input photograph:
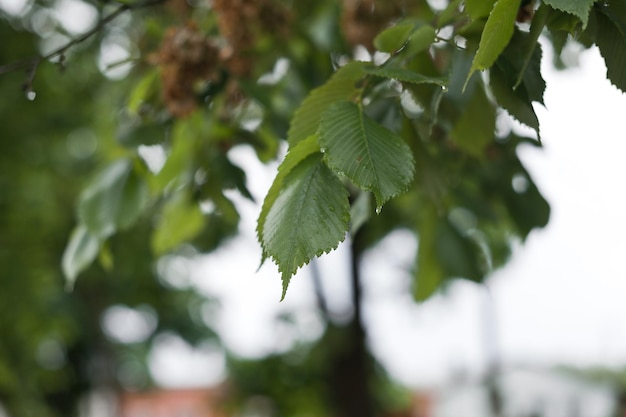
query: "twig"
30, 64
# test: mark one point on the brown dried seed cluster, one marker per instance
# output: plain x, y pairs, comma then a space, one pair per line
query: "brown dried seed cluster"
362, 20
241, 22
186, 57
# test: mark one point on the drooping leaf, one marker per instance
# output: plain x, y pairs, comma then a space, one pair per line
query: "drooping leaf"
528, 208
420, 40
143, 91
459, 255
113, 200
515, 65
428, 273
369, 155
475, 128
295, 155
81, 250
578, 8
309, 217
612, 44
616, 11
477, 9
496, 34
179, 166
133, 134
341, 86
403, 74
512, 100
536, 29
393, 38
360, 212
181, 220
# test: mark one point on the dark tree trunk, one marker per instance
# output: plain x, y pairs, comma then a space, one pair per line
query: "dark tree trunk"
352, 368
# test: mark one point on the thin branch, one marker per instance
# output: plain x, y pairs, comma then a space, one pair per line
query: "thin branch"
30, 64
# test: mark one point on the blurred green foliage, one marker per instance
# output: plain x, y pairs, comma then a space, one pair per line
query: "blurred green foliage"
428, 135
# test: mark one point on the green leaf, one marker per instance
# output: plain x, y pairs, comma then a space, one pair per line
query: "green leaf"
496, 34
612, 44
405, 75
460, 256
372, 157
179, 166
578, 8
477, 9
616, 11
113, 200
309, 217
419, 41
527, 69
142, 91
181, 220
341, 86
536, 29
81, 250
528, 208
135, 133
295, 155
360, 212
475, 129
512, 100
393, 38
428, 272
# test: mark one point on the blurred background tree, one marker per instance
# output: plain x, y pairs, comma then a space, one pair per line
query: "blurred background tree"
120, 141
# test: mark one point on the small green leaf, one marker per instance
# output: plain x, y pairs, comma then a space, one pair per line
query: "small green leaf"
393, 38
516, 63
179, 165
539, 22
360, 212
578, 8
477, 9
82, 249
419, 41
405, 75
181, 220
372, 157
459, 255
341, 86
309, 217
612, 44
475, 129
142, 91
512, 100
428, 274
496, 34
134, 134
113, 200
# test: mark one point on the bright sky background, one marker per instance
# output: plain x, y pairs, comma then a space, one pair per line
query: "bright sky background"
561, 300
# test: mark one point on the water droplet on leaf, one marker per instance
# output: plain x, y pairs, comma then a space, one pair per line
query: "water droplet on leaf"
30, 95
379, 209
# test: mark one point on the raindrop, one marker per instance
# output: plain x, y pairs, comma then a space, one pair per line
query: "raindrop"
30, 95
379, 209
444, 88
